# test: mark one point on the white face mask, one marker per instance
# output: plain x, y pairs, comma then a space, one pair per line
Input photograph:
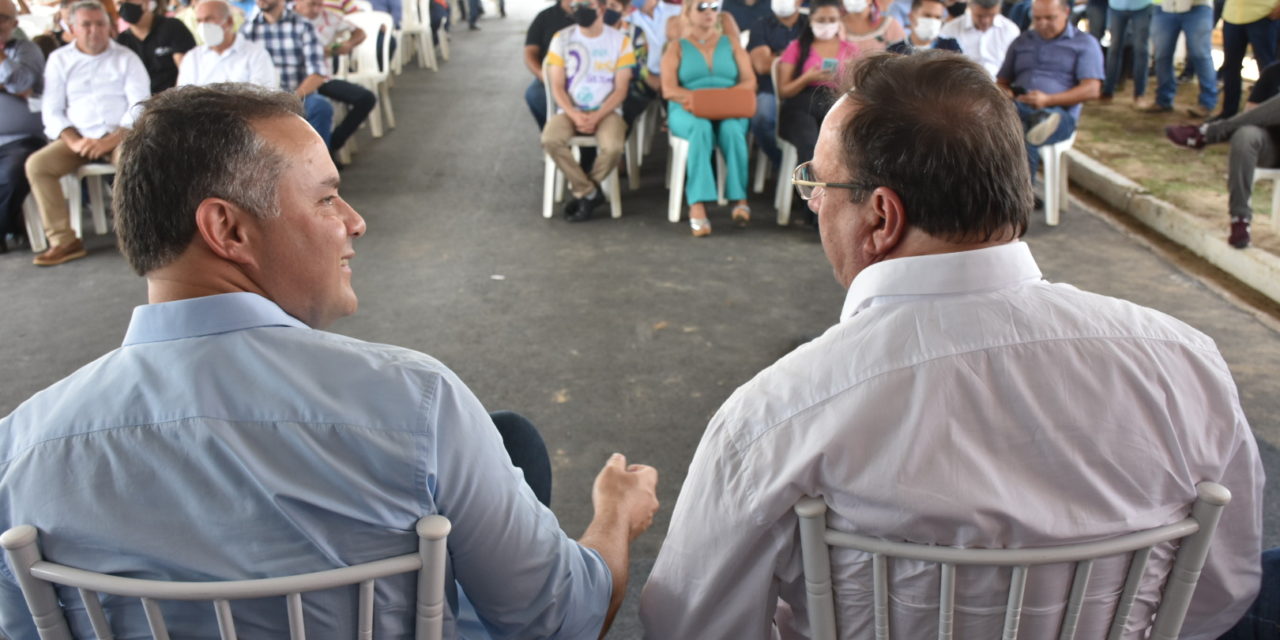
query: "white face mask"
856, 6
783, 8
927, 29
211, 33
825, 30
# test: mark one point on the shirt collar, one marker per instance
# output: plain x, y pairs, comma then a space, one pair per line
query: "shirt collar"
205, 316
973, 271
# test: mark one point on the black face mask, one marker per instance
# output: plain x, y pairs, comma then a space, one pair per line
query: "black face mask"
584, 16
612, 16
130, 12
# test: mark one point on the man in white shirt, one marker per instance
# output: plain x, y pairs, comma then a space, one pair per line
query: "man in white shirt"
588, 69
960, 401
224, 57
983, 33
90, 91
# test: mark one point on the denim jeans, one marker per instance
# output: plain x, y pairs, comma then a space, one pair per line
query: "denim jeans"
1259, 34
1262, 620
1128, 28
13, 184
536, 97
1066, 127
319, 114
1198, 26
1097, 13
527, 451
765, 126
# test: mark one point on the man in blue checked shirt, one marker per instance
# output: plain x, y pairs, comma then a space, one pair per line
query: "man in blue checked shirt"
231, 437
295, 50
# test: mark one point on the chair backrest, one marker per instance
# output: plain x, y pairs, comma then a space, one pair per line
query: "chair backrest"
367, 58
1195, 533
546, 85
777, 95
37, 577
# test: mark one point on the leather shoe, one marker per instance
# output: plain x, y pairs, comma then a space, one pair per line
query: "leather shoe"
1239, 237
73, 250
586, 206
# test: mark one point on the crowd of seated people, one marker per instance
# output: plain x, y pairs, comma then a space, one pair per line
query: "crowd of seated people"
71, 94
1049, 71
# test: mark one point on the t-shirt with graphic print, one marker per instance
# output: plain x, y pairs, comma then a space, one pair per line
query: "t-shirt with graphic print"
590, 63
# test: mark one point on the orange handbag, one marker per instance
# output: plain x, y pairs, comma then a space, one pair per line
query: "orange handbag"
722, 104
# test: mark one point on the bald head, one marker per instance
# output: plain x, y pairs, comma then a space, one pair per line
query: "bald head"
216, 10
8, 20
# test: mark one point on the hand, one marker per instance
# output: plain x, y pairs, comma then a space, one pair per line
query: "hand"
579, 119
818, 74
95, 148
684, 98
590, 122
627, 491
1037, 99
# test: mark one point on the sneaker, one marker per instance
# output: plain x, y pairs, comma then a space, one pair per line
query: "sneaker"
1043, 126
73, 250
1239, 237
1155, 108
1198, 112
1185, 135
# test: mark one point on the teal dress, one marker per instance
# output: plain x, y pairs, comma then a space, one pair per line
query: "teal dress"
730, 135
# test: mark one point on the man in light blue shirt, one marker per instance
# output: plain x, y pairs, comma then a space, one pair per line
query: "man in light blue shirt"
230, 438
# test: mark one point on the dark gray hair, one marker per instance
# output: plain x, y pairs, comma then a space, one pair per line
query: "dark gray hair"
985, 4
193, 143
84, 5
935, 129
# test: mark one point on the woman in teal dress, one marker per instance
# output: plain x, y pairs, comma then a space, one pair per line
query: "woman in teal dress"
704, 58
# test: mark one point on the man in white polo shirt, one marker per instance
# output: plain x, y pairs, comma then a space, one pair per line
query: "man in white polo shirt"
984, 35
90, 91
224, 57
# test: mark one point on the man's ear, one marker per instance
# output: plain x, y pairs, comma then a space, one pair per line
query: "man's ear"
890, 219
228, 230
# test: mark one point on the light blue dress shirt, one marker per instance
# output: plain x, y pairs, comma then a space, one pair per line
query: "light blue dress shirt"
227, 440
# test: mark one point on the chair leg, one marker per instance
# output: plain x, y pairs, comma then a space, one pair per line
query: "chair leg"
1064, 189
679, 158
444, 45
631, 154
783, 194
762, 169
720, 178
1049, 162
384, 102
35, 227
1275, 202
615, 193
97, 204
548, 186
71, 188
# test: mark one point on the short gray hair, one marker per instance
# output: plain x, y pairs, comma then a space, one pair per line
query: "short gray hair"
84, 5
192, 143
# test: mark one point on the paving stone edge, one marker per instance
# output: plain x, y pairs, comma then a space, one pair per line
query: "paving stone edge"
1254, 267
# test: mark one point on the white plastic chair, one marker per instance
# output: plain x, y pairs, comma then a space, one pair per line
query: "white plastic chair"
553, 179
1055, 178
415, 36
37, 578
790, 158
93, 174
677, 164
365, 66
1274, 176
1194, 532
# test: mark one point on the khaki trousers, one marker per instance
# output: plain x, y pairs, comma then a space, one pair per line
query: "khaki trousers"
45, 169
611, 136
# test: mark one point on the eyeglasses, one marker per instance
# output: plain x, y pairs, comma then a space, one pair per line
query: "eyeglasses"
708, 6
807, 187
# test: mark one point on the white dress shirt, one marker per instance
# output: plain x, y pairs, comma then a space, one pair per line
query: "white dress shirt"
963, 401
95, 94
244, 61
985, 47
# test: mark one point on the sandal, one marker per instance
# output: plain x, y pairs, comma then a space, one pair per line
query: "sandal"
701, 227
741, 215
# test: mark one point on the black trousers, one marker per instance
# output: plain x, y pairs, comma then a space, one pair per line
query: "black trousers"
800, 118
13, 183
359, 100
